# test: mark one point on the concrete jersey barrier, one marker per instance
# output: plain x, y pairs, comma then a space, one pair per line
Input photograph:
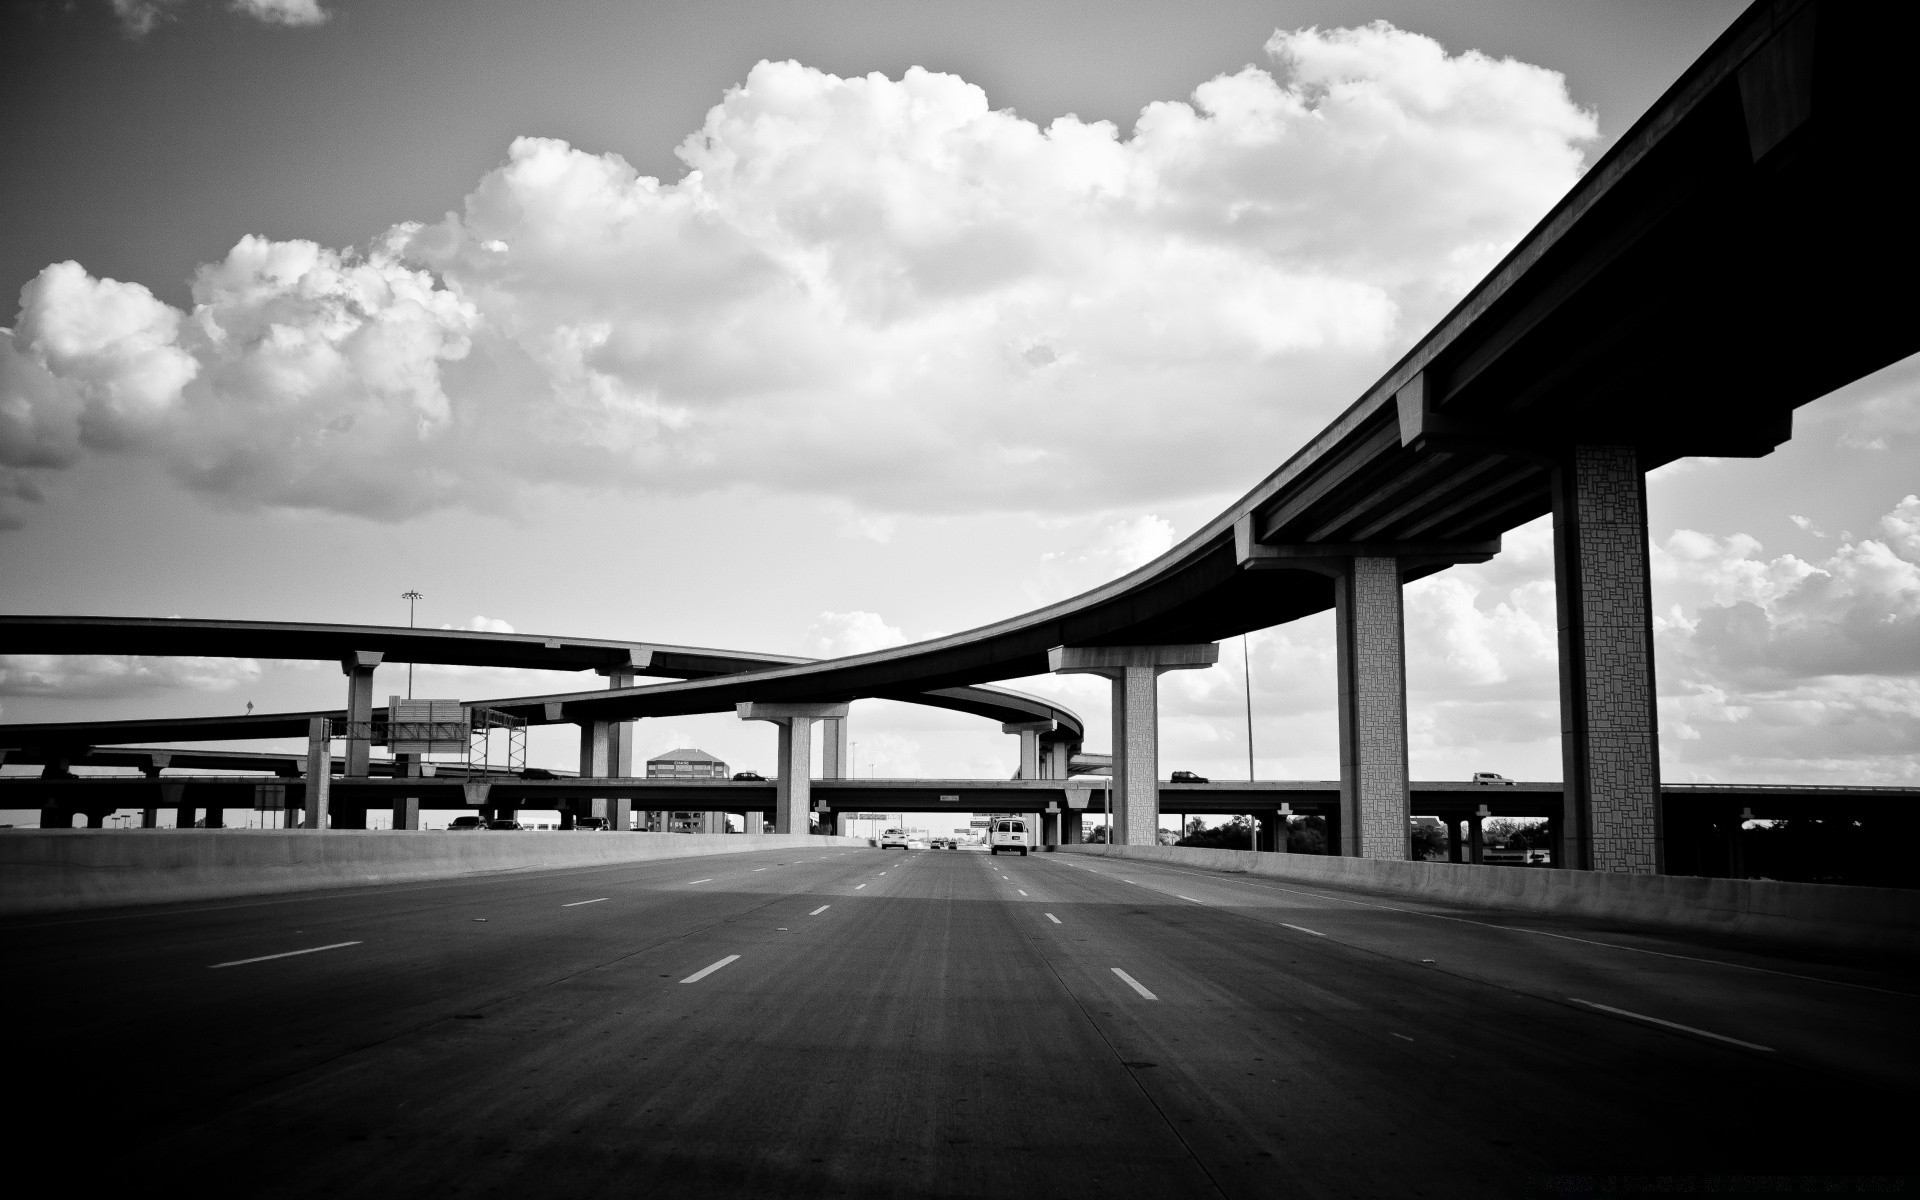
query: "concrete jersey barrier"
63, 870
1885, 920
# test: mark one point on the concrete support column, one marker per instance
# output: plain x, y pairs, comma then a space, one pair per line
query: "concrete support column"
1475, 841
1454, 845
150, 815
1272, 832
1056, 759
1609, 729
1135, 672
150, 818
358, 668
1029, 732
835, 760
620, 814
216, 818
1373, 710
793, 772
1073, 830
406, 812
753, 822
319, 773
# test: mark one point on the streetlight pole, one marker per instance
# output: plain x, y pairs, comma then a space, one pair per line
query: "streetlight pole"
410, 596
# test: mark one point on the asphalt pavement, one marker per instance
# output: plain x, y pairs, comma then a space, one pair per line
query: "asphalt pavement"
942, 1023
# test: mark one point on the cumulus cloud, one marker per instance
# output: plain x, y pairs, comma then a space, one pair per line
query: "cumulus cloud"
883, 293
118, 676
139, 17
837, 634
480, 624
283, 12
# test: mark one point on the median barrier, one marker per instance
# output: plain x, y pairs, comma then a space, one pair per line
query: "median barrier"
1885, 920
62, 870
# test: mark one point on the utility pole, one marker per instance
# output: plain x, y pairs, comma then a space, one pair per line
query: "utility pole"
1246, 662
410, 596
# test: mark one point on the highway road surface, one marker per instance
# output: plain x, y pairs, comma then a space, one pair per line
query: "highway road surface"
940, 1023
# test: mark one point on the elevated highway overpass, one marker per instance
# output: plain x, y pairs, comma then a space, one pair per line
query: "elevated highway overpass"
1722, 265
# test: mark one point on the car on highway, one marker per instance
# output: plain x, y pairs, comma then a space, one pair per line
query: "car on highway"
1188, 777
504, 823
462, 824
749, 777
1010, 834
1490, 779
590, 824
890, 838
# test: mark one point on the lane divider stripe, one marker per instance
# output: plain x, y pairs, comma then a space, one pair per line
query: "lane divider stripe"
1134, 984
241, 962
858, 886
1054, 919
816, 912
691, 882
578, 903
1718, 1037
703, 972
1303, 929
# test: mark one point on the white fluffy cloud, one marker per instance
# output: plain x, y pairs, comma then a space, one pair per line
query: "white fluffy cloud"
138, 17
837, 634
881, 292
117, 676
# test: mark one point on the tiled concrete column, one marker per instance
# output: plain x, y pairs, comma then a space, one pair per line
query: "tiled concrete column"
606, 752
753, 822
1373, 710
1609, 735
358, 668
1056, 759
1029, 732
793, 772
1135, 672
319, 773
835, 761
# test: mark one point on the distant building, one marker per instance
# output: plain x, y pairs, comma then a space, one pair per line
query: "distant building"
686, 764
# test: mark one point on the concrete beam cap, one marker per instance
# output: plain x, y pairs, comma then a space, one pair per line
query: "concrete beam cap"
753, 710
362, 660
1070, 659
1029, 727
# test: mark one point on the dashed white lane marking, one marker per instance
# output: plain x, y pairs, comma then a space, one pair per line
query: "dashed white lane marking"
1303, 929
1718, 1037
578, 903
1054, 919
691, 882
1022, 891
241, 962
1134, 984
858, 886
816, 912
758, 869
1403, 1037
703, 972
1191, 899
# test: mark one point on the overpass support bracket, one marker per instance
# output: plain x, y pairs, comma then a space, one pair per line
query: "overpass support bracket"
793, 776
1135, 672
1609, 736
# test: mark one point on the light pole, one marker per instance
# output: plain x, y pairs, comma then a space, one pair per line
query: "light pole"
411, 596
1246, 662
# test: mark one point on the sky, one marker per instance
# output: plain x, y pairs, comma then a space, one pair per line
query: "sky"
814, 328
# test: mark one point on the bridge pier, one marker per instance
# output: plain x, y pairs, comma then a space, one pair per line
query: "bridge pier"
358, 667
1371, 654
835, 760
1135, 674
793, 774
606, 752
319, 774
1029, 732
1609, 725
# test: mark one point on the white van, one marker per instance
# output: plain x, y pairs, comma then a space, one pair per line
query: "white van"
893, 837
1010, 834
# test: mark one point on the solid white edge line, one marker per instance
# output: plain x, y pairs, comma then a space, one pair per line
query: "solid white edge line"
241, 962
1054, 919
1718, 1037
578, 903
816, 912
691, 882
703, 972
1302, 929
1134, 984
1190, 898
